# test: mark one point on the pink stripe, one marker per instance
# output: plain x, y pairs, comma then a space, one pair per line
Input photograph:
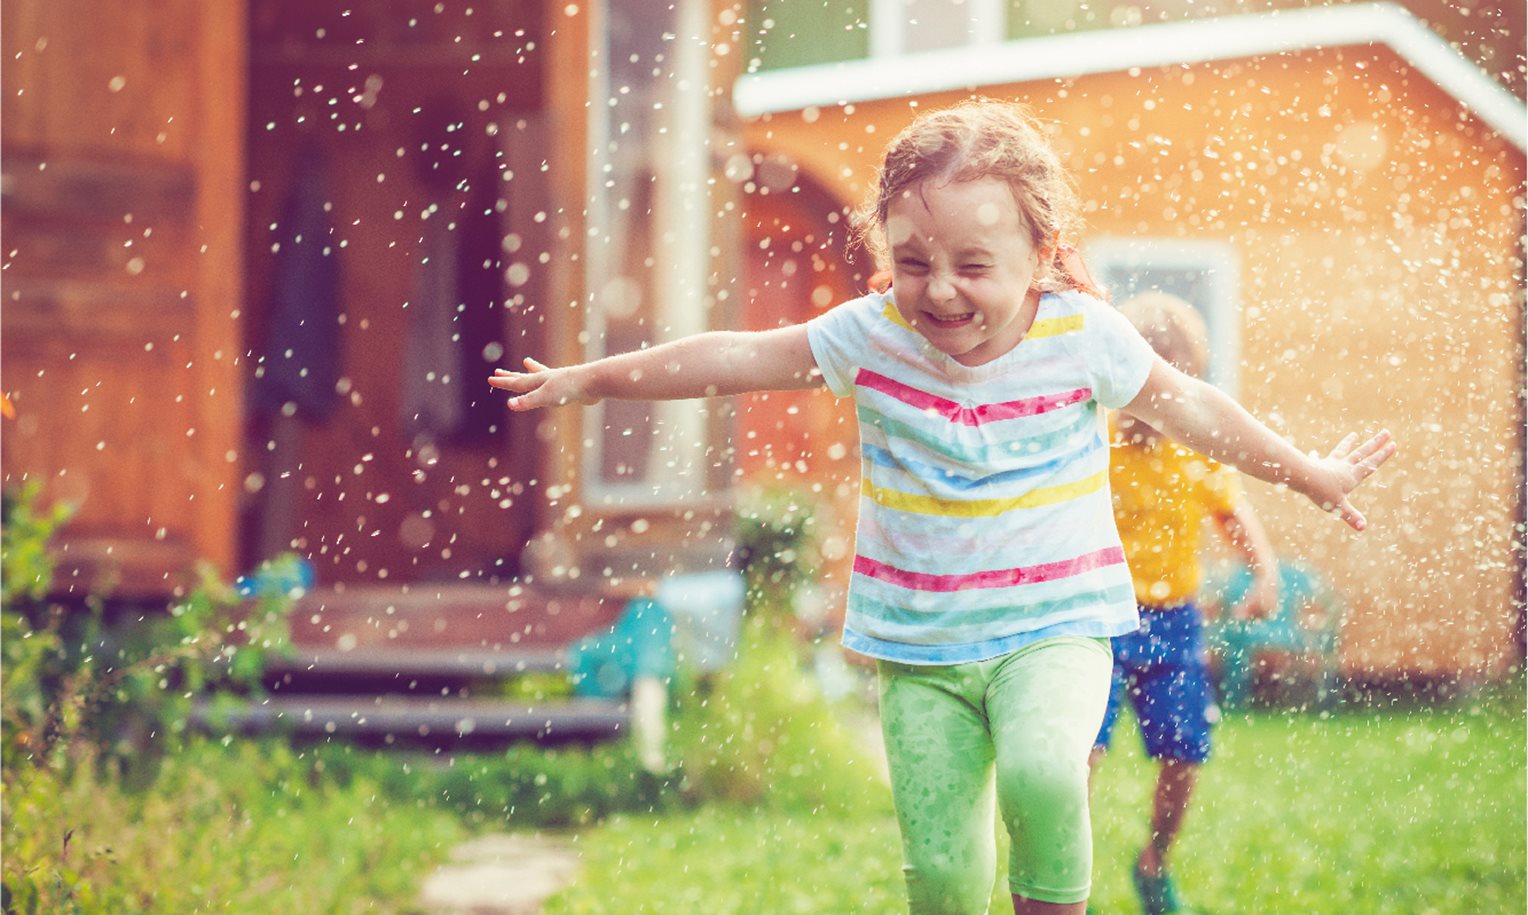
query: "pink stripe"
996, 578
969, 416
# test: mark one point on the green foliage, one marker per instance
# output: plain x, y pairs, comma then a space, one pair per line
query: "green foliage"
764, 734
250, 827
127, 690
90, 707
776, 543
26, 567
525, 786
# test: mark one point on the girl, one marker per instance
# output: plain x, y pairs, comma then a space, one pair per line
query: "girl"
988, 574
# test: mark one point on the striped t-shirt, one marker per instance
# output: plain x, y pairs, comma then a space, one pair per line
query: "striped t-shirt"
985, 517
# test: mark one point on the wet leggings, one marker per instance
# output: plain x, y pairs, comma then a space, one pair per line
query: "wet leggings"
1030, 715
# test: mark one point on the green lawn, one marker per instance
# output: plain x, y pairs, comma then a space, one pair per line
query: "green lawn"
1419, 810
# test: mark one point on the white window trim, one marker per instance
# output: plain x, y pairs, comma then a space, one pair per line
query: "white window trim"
987, 24
677, 474
1222, 271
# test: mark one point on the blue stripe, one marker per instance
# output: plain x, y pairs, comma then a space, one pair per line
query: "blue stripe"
928, 472
934, 621
904, 653
1081, 421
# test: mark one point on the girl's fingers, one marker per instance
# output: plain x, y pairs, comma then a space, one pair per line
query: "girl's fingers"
535, 366
1351, 515
1379, 447
1344, 447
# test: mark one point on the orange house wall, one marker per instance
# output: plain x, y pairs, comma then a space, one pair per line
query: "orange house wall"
1380, 286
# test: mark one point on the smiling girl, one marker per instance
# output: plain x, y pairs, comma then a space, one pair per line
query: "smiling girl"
988, 573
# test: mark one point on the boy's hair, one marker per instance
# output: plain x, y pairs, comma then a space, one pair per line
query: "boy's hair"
1173, 327
981, 138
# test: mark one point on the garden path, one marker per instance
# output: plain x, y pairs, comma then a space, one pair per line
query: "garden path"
500, 874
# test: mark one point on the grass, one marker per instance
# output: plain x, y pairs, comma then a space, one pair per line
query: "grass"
250, 827
1414, 810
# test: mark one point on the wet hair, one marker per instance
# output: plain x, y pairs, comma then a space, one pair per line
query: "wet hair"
1173, 327
975, 139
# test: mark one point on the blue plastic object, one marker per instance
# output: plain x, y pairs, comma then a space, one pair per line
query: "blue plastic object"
640, 644
708, 614
1305, 624
288, 576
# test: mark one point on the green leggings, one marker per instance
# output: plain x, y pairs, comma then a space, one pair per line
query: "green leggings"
1032, 715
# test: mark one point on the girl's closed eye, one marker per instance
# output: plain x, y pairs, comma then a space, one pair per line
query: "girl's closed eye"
975, 269
912, 265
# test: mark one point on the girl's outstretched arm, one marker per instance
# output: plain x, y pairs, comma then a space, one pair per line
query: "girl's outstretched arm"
1205, 419
704, 365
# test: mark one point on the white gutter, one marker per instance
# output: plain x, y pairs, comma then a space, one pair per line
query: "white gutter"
1161, 45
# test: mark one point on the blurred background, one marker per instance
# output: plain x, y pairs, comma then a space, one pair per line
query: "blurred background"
261, 255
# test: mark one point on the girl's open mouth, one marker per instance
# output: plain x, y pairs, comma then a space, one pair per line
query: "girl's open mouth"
950, 321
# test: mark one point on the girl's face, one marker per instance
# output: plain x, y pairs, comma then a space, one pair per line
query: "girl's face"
963, 267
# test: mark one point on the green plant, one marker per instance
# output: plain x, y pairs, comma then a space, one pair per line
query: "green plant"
73, 686
26, 566
764, 733
776, 545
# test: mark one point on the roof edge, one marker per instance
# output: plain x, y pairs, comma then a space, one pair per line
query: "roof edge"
1158, 45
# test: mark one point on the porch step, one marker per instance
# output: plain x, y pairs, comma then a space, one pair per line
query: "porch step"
429, 662
421, 718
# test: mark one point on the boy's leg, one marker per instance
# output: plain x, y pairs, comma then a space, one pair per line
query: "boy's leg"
1175, 785
1172, 702
939, 753
1046, 703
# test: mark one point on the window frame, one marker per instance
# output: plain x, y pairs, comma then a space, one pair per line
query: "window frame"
1220, 269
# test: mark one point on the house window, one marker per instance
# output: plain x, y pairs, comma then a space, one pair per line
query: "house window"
908, 26
1206, 274
646, 251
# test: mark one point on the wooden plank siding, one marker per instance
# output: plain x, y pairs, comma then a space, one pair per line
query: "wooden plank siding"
122, 191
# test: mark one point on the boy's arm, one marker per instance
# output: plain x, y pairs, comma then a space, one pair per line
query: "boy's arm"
1242, 529
704, 365
1205, 419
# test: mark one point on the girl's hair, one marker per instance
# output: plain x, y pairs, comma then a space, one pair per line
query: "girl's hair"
983, 138
1174, 329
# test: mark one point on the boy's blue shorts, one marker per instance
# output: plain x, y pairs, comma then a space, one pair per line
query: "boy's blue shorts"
1161, 669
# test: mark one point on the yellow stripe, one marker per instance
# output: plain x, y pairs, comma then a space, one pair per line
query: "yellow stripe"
981, 508
1045, 327
891, 314
1054, 327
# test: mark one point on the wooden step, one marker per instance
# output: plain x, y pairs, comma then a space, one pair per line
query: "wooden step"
417, 662
410, 717
464, 617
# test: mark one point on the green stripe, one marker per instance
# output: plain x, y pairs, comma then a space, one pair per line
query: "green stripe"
1005, 613
1035, 445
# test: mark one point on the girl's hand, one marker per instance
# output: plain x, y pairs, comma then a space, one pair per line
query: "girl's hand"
542, 386
1346, 467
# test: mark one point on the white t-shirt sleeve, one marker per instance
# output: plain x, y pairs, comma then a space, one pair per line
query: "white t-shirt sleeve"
838, 338
1118, 357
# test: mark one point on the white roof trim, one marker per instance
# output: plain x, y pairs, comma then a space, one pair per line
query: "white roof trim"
1114, 50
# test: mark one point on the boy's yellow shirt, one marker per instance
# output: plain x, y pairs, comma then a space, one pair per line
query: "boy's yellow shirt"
1163, 494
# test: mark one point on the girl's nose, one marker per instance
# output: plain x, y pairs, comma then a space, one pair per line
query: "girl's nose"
940, 289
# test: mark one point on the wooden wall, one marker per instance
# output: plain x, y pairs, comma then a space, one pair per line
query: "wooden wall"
123, 172
1381, 275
